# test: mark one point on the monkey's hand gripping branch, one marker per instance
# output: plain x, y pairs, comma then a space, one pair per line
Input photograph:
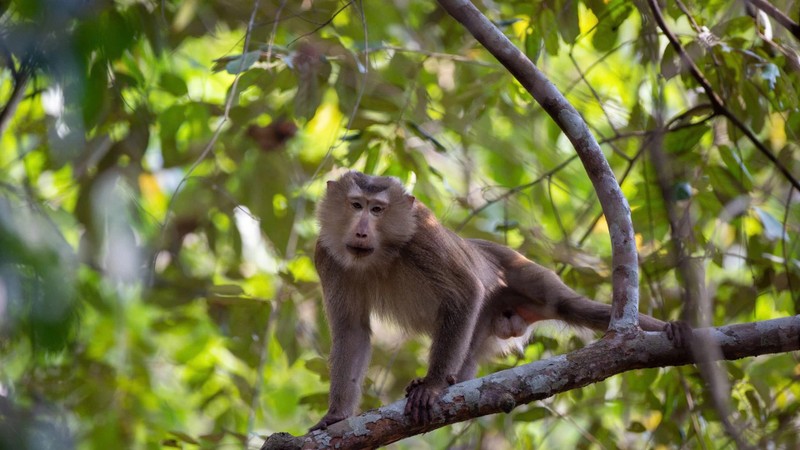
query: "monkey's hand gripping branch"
421, 395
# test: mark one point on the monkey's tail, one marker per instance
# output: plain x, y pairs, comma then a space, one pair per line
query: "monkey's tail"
583, 311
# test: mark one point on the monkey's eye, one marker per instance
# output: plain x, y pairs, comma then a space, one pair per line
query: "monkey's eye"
356, 205
377, 209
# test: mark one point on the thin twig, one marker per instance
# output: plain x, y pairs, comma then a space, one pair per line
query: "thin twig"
785, 250
17, 94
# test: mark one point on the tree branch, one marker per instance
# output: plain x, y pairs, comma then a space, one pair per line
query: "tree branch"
20, 84
624, 259
696, 302
770, 10
505, 390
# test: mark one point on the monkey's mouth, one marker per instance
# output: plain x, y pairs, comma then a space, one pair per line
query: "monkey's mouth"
360, 252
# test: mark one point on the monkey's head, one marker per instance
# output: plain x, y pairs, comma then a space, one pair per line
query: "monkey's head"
364, 219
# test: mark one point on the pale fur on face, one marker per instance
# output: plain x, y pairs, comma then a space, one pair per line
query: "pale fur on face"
388, 231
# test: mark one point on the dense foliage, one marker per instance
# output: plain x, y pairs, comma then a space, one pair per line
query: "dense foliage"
160, 162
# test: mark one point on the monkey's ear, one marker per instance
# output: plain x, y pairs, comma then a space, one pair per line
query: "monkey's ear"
330, 184
410, 199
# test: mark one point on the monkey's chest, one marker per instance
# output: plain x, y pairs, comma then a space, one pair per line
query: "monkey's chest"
410, 303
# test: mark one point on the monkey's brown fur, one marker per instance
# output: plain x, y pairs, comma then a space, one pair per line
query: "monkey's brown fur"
382, 252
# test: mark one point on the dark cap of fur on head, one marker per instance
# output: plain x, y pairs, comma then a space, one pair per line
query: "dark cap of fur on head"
369, 184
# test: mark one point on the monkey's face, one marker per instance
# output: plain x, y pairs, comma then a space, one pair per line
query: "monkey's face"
363, 218
361, 238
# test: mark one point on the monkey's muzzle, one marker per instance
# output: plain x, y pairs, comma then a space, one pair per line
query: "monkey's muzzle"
360, 252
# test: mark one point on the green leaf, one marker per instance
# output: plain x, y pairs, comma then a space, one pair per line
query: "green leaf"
636, 427
226, 290
607, 30
183, 437
725, 185
568, 20
173, 84
736, 166
671, 63
534, 44
320, 367
318, 401
302, 269
533, 414
118, 34
286, 331
682, 142
95, 94
169, 121
240, 63
550, 38
773, 229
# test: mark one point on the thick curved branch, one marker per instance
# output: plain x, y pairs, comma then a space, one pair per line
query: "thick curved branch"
625, 278
503, 391
716, 101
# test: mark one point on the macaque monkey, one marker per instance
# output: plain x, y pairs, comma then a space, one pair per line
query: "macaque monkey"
382, 252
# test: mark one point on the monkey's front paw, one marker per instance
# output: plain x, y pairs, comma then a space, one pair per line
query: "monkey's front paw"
327, 419
421, 393
680, 333
413, 384
451, 380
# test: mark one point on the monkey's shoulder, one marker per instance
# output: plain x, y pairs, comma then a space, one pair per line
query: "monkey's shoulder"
440, 249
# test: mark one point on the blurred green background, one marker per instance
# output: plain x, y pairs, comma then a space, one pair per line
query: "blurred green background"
160, 162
